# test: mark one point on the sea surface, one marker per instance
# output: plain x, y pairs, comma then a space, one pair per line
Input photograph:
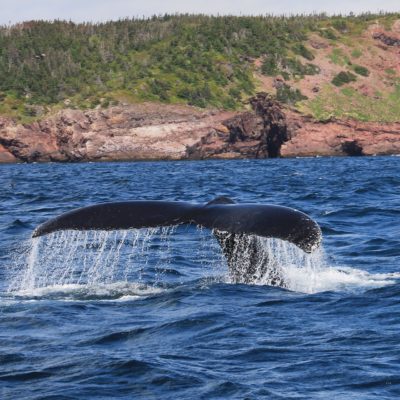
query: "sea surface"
152, 313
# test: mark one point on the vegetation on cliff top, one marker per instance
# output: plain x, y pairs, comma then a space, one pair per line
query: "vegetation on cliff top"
190, 59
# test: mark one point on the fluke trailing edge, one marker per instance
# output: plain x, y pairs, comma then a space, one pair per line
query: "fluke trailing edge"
221, 215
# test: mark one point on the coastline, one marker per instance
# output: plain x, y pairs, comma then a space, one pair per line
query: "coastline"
153, 132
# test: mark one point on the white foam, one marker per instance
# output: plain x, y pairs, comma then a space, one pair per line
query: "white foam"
118, 291
335, 279
310, 273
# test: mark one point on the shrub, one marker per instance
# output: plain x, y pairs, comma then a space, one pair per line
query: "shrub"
270, 66
360, 70
339, 58
196, 96
343, 77
356, 53
235, 93
328, 34
390, 71
289, 95
160, 88
302, 50
340, 25
311, 69
295, 67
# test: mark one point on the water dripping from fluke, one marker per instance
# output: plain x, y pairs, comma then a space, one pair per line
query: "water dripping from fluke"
88, 264
111, 264
130, 264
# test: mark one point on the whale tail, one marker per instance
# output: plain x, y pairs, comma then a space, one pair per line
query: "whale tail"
221, 215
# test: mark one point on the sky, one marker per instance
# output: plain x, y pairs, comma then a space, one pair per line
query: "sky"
13, 11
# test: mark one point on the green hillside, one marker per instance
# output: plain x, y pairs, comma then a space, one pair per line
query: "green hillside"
193, 59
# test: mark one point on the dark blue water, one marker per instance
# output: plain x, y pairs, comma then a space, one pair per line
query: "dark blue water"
150, 315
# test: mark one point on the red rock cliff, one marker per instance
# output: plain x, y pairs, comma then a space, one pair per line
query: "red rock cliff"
167, 132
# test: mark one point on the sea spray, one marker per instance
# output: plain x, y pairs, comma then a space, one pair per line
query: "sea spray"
94, 258
91, 259
290, 258
311, 273
281, 262
267, 261
300, 270
131, 262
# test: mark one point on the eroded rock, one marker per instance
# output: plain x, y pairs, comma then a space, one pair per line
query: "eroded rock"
167, 132
386, 39
255, 134
131, 132
340, 138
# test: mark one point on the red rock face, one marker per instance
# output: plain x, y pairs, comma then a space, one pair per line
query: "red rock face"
256, 134
6, 156
340, 138
166, 132
137, 132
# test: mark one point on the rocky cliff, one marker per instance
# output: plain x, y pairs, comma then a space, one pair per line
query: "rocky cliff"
167, 132
273, 131
259, 133
340, 138
127, 132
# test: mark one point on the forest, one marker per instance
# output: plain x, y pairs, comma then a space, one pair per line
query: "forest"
198, 60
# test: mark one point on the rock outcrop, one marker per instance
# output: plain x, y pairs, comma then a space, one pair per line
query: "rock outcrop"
255, 134
6, 156
130, 132
340, 138
386, 39
167, 132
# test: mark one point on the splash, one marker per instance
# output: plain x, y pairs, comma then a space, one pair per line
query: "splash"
111, 263
92, 259
311, 273
133, 263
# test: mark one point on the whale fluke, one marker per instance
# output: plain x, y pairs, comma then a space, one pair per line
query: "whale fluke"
221, 214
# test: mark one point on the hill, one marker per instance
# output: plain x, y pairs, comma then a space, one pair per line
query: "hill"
326, 67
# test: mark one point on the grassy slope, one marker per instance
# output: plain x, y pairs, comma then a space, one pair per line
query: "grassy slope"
374, 95
202, 61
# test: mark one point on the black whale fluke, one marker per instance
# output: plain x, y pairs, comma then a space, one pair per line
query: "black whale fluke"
221, 214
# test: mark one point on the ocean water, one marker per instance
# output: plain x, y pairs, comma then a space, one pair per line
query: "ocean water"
152, 314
